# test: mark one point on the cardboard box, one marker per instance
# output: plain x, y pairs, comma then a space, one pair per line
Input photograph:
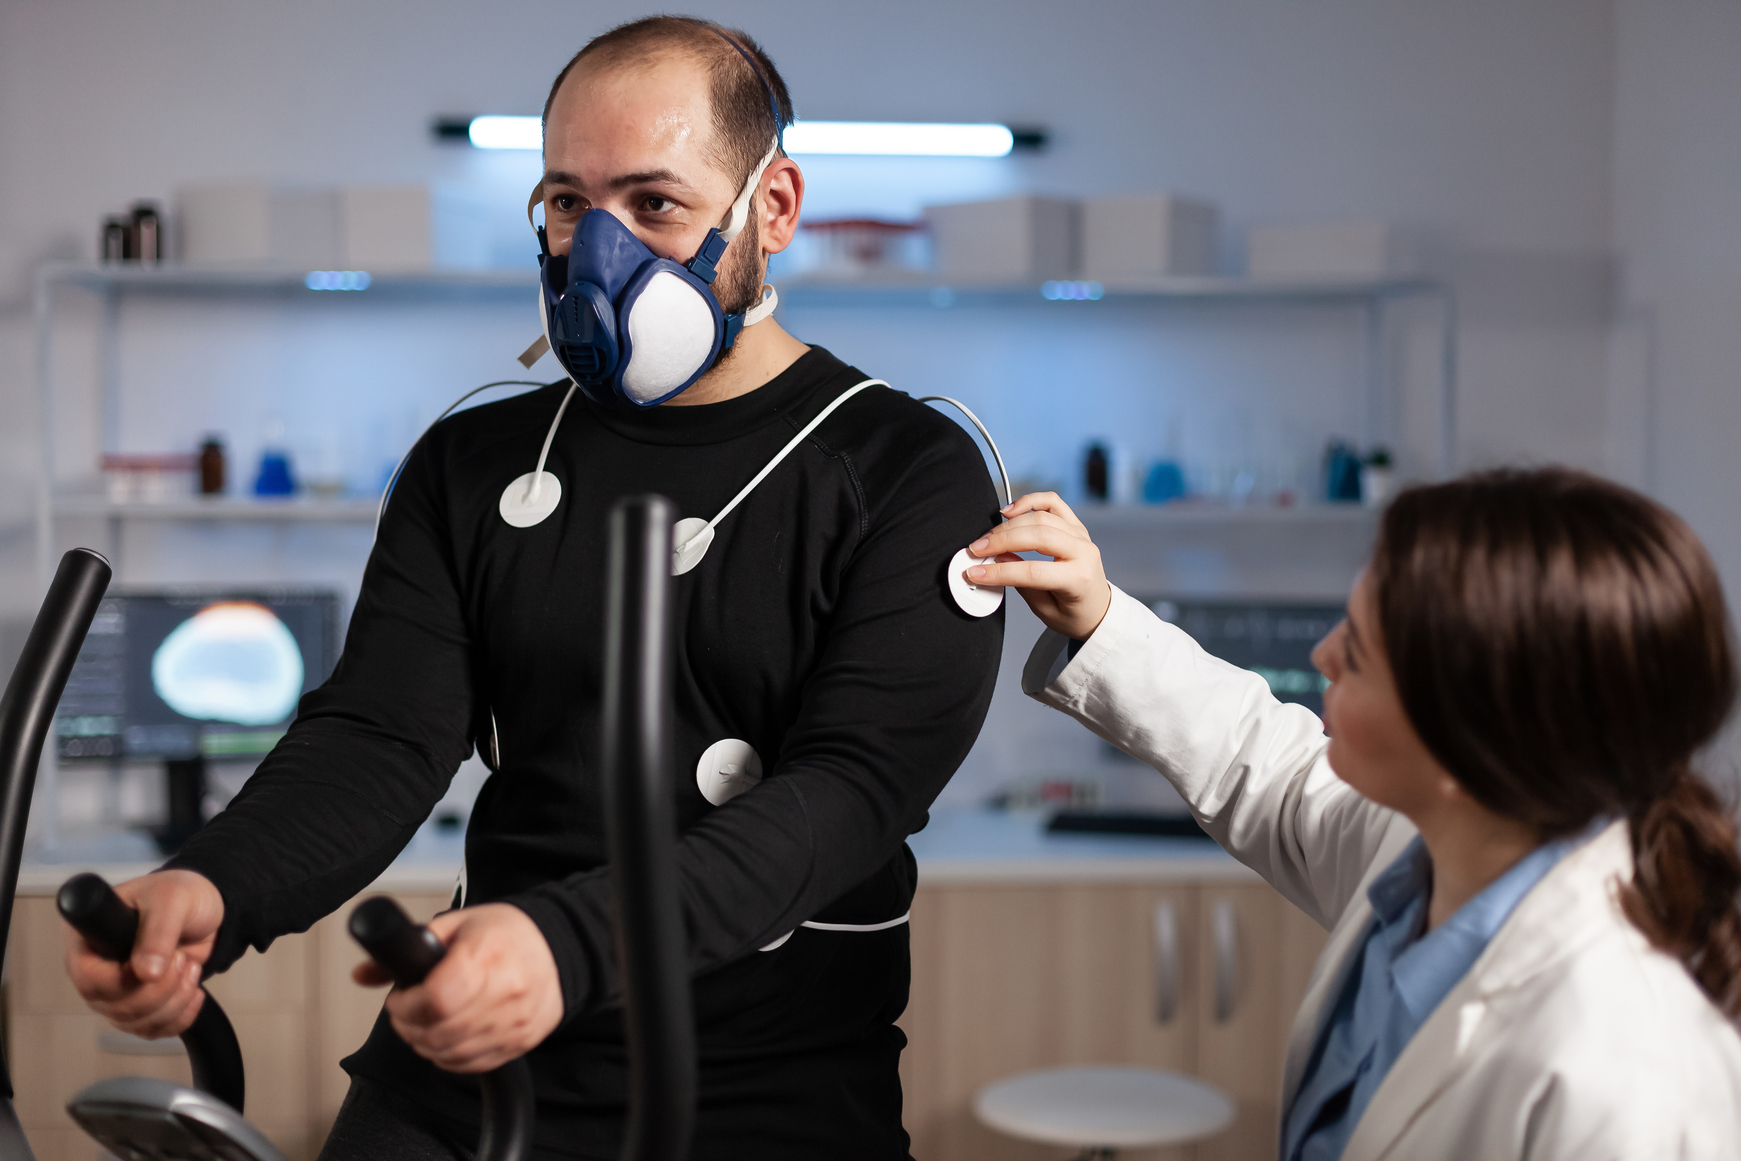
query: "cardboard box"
1147, 236
1323, 250
384, 227
254, 222
1021, 239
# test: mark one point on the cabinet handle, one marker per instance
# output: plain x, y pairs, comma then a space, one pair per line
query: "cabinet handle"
1166, 961
1225, 931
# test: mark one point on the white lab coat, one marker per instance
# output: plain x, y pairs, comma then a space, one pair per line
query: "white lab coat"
1570, 1038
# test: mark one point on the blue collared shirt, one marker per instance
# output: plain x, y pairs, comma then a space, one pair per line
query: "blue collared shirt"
1397, 980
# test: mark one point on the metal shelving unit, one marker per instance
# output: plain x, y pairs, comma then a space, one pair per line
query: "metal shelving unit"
1373, 298
111, 284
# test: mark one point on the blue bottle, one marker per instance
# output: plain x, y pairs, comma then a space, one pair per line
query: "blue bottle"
275, 478
1165, 482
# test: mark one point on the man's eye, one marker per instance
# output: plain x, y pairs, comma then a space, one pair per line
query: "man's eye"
659, 205
565, 202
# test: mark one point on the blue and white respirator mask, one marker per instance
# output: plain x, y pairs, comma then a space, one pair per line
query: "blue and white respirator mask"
629, 325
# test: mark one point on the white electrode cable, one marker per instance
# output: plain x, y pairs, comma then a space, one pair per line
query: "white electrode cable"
537, 483
393, 479
1008, 496
695, 534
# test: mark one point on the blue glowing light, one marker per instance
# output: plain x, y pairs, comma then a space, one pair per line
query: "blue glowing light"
1072, 291
337, 280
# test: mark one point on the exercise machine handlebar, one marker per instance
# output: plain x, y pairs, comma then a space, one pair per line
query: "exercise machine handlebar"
110, 927
26, 713
637, 765
409, 952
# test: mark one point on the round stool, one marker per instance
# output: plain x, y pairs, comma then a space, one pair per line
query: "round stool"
1100, 1108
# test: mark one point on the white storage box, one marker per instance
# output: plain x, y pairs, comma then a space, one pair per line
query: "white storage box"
384, 227
255, 222
1323, 250
1147, 236
1023, 239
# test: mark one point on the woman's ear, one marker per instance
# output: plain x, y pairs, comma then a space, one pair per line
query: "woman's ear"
782, 197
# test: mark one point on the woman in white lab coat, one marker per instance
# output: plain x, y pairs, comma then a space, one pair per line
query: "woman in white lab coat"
1535, 949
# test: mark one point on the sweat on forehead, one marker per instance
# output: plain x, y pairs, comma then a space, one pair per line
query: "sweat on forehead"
745, 119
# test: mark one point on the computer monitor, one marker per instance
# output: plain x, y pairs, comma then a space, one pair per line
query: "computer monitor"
195, 673
1273, 639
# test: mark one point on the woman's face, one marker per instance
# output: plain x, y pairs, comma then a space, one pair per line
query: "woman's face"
1373, 746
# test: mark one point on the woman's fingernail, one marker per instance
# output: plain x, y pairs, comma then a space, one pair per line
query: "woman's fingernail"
980, 545
151, 966
977, 572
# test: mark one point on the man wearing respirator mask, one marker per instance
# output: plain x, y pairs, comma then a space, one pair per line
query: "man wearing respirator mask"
827, 683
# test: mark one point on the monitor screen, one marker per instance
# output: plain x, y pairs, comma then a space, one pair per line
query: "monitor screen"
1273, 639
186, 673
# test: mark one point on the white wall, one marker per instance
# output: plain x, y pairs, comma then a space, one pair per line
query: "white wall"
1482, 126
1677, 230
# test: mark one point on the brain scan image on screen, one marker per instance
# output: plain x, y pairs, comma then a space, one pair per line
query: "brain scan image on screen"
230, 662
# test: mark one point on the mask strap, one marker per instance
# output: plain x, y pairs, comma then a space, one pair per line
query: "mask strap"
764, 308
740, 209
537, 196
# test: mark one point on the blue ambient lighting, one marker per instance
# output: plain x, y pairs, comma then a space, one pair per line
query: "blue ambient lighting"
861, 138
337, 280
1072, 291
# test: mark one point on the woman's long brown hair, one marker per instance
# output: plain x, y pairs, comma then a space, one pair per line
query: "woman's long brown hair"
1562, 646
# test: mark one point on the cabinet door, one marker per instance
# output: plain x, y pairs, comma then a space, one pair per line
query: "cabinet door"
346, 1012
1239, 961
1007, 979
57, 1046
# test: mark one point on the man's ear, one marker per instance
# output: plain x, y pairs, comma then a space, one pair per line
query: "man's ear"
781, 198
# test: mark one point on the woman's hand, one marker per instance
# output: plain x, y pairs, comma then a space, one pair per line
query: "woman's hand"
1069, 592
494, 996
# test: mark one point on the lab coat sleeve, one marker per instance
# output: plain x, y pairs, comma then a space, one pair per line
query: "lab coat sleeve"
1252, 769
888, 711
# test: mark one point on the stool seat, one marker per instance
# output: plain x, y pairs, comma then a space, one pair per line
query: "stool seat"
1104, 1107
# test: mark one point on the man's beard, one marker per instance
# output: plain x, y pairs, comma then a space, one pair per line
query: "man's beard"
738, 285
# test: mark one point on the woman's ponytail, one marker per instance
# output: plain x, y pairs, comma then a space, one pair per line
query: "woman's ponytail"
1685, 883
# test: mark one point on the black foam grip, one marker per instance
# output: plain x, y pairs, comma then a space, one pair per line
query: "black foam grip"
111, 928
97, 913
408, 951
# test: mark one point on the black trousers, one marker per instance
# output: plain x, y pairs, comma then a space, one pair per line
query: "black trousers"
376, 1124
842, 1106
798, 1059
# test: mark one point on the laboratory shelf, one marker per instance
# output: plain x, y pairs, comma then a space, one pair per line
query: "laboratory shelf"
922, 289
1137, 517
338, 511
171, 278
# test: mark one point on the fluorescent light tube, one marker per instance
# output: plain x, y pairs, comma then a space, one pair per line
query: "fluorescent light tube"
496, 132
863, 138
896, 138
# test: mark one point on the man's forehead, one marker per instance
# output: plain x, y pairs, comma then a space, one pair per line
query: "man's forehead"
659, 78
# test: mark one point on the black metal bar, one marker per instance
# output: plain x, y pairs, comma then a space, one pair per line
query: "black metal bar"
27, 712
636, 765
410, 952
111, 928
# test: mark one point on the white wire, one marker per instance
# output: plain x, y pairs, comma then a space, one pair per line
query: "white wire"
392, 480
784, 452
537, 484
1008, 496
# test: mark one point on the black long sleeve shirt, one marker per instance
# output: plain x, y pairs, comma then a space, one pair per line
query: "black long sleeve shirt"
818, 628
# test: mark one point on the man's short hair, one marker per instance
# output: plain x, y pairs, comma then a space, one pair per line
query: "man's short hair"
744, 124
